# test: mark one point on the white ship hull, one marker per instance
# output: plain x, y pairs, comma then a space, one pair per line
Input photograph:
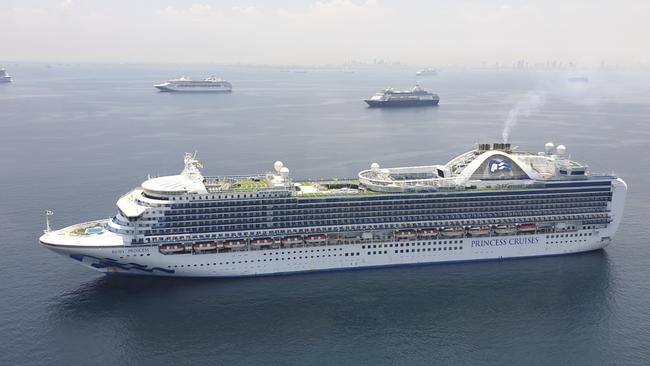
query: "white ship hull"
147, 260
563, 217
171, 88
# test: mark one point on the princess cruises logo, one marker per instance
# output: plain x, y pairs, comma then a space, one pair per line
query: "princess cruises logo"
497, 165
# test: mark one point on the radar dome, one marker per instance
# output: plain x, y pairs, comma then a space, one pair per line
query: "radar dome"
560, 150
384, 172
278, 165
374, 167
284, 171
549, 148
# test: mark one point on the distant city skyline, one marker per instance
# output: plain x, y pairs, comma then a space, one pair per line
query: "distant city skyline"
463, 32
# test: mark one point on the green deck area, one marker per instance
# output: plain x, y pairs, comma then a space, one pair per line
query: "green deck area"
82, 229
334, 193
323, 182
249, 185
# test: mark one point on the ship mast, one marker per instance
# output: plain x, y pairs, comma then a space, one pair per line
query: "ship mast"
48, 213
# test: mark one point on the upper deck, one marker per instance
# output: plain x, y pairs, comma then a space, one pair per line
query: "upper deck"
490, 166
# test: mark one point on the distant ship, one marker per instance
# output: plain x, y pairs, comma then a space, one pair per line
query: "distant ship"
425, 72
211, 84
578, 79
408, 98
4, 77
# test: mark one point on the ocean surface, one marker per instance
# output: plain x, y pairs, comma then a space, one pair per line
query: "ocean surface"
73, 138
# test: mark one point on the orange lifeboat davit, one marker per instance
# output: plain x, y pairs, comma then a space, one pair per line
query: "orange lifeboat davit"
505, 229
171, 248
526, 228
405, 234
316, 239
479, 230
428, 233
291, 240
200, 247
234, 244
261, 242
453, 232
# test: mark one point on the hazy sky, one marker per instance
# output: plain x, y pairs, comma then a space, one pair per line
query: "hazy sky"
320, 32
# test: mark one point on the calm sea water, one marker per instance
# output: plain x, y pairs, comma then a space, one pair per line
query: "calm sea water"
73, 138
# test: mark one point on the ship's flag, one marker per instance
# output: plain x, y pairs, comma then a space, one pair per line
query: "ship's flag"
199, 164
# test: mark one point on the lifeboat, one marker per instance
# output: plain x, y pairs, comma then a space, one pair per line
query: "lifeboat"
171, 248
234, 244
428, 233
479, 230
526, 228
313, 239
453, 232
405, 234
505, 229
260, 242
199, 247
290, 240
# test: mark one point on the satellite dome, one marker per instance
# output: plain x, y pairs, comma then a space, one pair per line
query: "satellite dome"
560, 150
284, 171
374, 167
549, 148
278, 165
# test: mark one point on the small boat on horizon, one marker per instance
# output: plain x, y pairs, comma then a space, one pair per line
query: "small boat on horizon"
4, 77
426, 72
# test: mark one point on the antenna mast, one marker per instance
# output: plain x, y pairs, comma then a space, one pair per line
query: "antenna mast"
48, 213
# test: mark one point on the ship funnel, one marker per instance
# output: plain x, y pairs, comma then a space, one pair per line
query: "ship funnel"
502, 146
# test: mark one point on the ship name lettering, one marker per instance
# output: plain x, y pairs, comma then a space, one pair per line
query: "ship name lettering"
500, 242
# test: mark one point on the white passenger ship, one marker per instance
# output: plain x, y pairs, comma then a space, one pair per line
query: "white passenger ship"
183, 84
415, 97
492, 202
4, 77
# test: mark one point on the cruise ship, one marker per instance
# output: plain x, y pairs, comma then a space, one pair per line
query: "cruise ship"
490, 203
183, 84
408, 98
4, 77
426, 72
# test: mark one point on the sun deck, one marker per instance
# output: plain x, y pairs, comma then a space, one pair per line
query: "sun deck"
236, 183
490, 166
87, 234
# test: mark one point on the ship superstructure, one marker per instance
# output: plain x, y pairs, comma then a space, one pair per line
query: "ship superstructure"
492, 202
408, 98
183, 84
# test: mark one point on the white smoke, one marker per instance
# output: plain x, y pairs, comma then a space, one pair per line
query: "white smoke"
528, 104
